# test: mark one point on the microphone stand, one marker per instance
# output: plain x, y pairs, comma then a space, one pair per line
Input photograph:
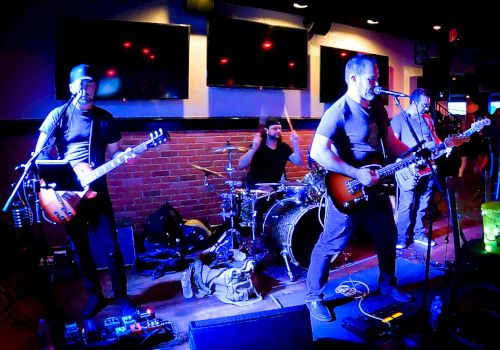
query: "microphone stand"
35, 186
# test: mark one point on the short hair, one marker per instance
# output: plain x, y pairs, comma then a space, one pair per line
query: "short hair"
417, 93
357, 65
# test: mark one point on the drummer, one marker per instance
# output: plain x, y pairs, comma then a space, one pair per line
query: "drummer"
266, 161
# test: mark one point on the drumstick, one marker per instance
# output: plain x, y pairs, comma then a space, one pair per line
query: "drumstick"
288, 119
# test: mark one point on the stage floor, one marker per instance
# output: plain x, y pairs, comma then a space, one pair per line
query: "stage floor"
356, 268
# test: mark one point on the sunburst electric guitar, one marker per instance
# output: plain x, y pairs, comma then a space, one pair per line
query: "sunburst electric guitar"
408, 178
61, 206
348, 193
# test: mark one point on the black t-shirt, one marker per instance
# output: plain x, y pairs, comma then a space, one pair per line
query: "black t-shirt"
82, 137
268, 165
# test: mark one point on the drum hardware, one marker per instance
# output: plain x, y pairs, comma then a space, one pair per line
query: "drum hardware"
229, 149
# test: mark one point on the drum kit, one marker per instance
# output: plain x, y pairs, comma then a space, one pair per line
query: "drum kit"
285, 213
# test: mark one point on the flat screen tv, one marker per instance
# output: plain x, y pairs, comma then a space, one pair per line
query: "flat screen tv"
332, 69
132, 60
250, 54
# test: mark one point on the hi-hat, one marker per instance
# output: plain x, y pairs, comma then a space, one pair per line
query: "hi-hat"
207, 171
229, 149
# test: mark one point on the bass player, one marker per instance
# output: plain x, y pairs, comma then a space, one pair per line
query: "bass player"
412, 203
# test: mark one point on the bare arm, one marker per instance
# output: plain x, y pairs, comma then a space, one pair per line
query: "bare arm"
245, 160
394, 146
322, 152
296, 156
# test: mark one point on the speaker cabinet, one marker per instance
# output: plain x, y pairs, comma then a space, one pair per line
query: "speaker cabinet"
436, 76
127, 247
286, 328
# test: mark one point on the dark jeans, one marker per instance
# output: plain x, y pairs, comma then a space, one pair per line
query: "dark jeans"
376, 218
95, 218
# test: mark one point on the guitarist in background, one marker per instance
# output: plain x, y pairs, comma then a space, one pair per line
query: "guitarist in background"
354, 130
412, 204
82, 135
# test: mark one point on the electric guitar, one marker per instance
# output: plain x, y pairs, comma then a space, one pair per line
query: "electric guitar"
408, 178
61, 206
348, 194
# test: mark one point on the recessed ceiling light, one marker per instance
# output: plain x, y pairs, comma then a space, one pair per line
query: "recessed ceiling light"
299, 5
371, 21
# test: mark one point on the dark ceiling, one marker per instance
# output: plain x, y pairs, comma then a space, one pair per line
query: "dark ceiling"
477, 49
476, 26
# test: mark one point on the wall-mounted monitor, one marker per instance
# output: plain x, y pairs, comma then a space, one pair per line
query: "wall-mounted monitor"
332, 69
250, 54
132, 60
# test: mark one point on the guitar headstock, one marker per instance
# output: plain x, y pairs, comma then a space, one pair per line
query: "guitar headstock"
157, 137
477, 126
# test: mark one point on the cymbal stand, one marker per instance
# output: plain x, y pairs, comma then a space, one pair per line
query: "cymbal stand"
233, 233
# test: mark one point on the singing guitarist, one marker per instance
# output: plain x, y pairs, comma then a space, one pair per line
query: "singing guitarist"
411, 127
353, 130
81, 133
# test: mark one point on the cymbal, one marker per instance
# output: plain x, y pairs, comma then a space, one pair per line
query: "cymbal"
253, 192
292, 184
207, 171
229, 149
267, 184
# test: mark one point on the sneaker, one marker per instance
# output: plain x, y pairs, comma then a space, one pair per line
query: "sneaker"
423, 240
396, 294
401, 243
95, 303
319, 311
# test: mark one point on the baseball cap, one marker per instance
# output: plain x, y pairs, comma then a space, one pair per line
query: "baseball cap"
81, 71
272, 121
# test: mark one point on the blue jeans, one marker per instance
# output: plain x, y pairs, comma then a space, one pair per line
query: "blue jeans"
376, 218
412, 207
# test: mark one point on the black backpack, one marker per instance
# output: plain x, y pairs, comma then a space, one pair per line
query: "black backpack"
164, 226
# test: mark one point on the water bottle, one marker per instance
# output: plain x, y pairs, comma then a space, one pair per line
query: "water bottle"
187, 291
435, 312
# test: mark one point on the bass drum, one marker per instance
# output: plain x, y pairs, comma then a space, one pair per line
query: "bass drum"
294, 228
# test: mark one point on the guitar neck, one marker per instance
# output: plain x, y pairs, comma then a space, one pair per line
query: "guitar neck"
112, 164
392, 168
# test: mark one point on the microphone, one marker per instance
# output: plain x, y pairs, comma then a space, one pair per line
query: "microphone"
380, 91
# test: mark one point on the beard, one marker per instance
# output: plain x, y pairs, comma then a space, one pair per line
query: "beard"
275, 137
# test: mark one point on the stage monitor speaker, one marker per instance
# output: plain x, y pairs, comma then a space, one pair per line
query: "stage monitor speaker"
127, 247
286, 328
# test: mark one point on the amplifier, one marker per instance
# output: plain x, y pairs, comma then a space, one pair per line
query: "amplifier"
127, 247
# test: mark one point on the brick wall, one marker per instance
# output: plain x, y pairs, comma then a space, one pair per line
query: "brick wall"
164, 173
